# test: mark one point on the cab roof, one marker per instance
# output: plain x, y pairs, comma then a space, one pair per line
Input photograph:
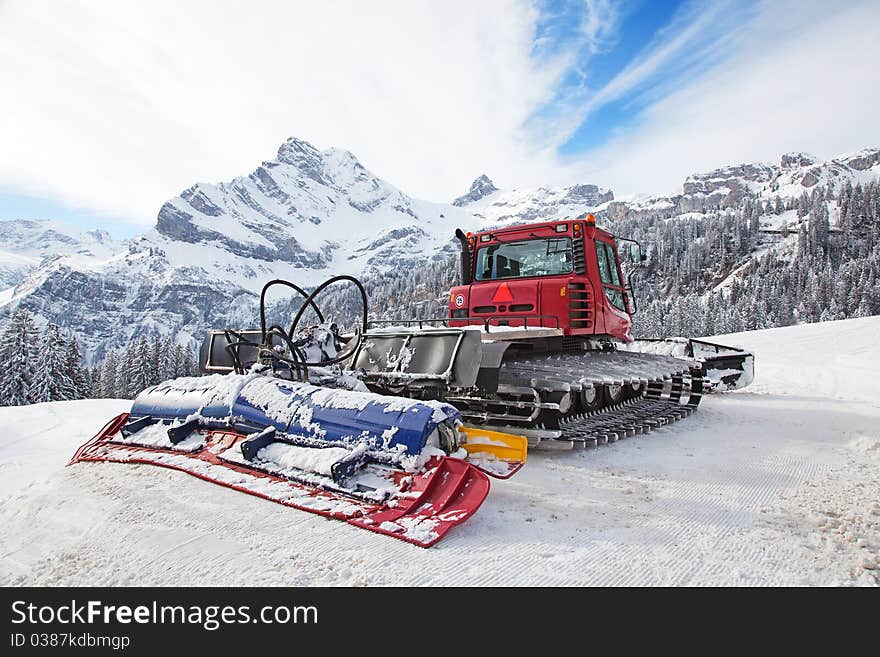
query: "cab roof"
536, 226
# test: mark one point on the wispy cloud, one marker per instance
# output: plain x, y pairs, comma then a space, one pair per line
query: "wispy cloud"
793, 78
573, 28
697, 37
569, 33
116, 106
119, 105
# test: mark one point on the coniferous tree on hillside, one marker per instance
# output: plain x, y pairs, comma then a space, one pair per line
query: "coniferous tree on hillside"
139, 374
124, 388
96, 382
18, 345
109, 369
51, 381
78, 384
145, 362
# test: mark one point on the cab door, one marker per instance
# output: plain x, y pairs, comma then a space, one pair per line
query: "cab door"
615, 308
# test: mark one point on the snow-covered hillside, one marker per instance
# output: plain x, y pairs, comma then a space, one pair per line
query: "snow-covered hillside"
26, 244
304, 216
795, 174
773, 485
308, 214
492, 207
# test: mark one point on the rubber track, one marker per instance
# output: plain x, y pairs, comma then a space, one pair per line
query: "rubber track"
596, 368
673, 389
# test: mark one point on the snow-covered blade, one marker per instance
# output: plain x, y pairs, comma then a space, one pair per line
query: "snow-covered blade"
725, 367
418, 508
387, 464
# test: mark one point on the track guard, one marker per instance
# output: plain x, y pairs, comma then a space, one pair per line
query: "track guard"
725, 367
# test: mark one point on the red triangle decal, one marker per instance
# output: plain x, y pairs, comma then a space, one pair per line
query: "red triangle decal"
502, 294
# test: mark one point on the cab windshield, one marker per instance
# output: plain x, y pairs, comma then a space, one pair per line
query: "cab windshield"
537, 257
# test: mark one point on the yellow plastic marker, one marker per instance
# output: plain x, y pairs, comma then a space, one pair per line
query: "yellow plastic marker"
504, 446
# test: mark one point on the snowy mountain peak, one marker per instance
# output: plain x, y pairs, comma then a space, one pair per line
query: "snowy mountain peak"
335, 167
25, 244
303, 157
275, 212
797, 159
503, 207
796, 173
863, 160
298, 152
480, 188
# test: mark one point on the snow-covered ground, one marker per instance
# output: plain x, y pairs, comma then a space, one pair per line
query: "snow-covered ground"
773, 485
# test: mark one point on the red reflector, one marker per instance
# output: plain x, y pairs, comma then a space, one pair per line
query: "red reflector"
502, 294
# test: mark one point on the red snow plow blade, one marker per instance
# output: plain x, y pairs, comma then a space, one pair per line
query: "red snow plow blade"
423, 507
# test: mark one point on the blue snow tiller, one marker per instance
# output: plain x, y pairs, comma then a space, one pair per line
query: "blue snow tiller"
297, 413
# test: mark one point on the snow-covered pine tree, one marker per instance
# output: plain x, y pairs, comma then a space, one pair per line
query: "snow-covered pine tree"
109, 375
177, 360
166, 359
51, 381
96, 382
76, 374
190, 365
139, 375
154, 371
17, 356
124, 384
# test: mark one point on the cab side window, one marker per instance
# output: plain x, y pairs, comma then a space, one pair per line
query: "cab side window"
612, 264
604, 266
609, 274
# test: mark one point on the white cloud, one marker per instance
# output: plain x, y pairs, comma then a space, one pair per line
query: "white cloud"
798, 78
599, 23
119, 105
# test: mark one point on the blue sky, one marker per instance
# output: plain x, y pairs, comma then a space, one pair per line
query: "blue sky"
634, 25
104, 122
14, 205
644, 50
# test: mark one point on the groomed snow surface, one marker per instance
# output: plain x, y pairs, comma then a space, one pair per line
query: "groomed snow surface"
773, 485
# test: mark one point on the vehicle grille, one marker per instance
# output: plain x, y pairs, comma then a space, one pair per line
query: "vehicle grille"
580, 313
577, 253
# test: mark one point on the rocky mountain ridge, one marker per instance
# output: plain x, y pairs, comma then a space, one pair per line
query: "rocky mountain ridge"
309, 214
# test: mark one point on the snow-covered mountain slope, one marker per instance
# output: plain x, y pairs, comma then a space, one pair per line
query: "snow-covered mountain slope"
492, 207
307, 215
772, 485
311, 209
795, 174
303, 216
26, 244
480, 188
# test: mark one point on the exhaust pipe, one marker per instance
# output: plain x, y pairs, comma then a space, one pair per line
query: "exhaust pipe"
465, 257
